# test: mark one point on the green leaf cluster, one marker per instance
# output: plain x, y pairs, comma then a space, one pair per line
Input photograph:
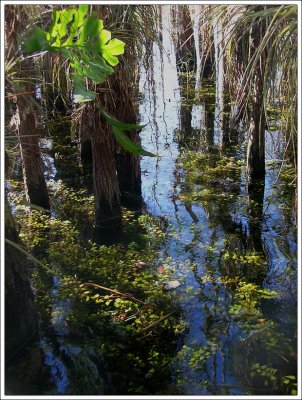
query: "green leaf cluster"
84, 41
247, 298
91, 52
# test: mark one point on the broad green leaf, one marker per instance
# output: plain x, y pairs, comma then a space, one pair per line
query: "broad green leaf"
55, 17
38, 41
81, 39
101, 62
111, 50
82, 11
91, 28
115, 46
121, 125
105, 36
80, 93
128, 144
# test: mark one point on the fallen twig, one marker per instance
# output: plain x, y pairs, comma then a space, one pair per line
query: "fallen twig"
125, 295
9, 96
157, 322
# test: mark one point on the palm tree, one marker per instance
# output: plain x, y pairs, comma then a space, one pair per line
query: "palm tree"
116, 172
261, 54
105, 183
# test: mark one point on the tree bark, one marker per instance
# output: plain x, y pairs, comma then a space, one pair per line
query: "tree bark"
127, 164
21, 317
34, 180
185, 53
255, 149
105, 183
106, 191
23, 116
256, 141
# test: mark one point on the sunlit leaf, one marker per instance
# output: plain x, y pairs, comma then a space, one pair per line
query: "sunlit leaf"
105, 36
122, 125
128, 144
111, 50
83, 40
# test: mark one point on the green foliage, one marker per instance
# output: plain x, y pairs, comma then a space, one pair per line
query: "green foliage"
118, 300
201, 355
277, 46
246, 299
84, 41
203, 167
91, 52
70, 203
220, 171
267, 374
117, 129
290, 384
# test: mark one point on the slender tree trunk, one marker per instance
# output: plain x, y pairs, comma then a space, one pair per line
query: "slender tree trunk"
21, 317
24, 115
207, 53
255, 149
34, 180
129, 173
185, 53
185, 63
256, 141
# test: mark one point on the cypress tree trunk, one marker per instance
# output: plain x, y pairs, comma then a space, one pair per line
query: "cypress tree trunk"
106, 191
34, 180
185, 53
21, 317
129, 173
105, 184
24, 115
127, 164
256, 141
255, 149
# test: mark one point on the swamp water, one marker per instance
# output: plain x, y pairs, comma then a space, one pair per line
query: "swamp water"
220, 261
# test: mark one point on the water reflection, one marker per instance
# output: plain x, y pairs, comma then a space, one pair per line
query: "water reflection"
222, 239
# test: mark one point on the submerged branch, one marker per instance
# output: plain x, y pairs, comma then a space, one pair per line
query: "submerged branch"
9, 96
157, 322
125, 295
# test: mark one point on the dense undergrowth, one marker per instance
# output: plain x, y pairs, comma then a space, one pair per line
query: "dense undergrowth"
118, 298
